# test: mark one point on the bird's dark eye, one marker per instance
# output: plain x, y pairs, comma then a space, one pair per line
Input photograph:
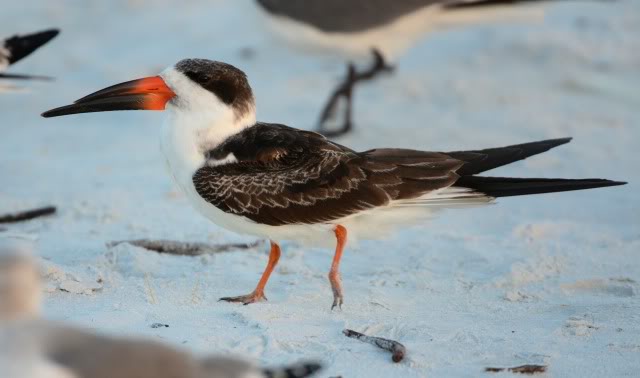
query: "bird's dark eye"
222, 88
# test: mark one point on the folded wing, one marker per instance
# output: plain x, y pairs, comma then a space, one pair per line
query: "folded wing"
285, 176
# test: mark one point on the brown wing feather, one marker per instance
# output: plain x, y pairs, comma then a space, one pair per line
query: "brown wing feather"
285, 176
271, 154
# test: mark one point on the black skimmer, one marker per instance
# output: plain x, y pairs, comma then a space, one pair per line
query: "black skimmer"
17, 47
283, 183
382, 29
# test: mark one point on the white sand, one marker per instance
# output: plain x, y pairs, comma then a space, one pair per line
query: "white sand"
551, 279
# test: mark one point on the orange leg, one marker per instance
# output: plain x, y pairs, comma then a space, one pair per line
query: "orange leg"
258, 293
334, 274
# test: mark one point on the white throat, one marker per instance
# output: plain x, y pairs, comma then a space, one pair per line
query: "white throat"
197, 122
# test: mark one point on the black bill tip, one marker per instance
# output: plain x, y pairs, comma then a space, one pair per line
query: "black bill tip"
129, 102
55, 112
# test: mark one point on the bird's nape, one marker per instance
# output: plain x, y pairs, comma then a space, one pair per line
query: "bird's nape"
150, 93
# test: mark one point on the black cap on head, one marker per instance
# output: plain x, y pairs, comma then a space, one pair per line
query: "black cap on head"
227, 82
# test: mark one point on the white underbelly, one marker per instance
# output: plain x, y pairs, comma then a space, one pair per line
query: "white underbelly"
376, 223
305, 234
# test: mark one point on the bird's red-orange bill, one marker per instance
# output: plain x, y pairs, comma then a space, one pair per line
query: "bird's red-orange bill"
149, 93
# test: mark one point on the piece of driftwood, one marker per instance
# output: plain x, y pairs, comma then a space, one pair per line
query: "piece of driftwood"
27, 214
523, 369
397, 350
184, 248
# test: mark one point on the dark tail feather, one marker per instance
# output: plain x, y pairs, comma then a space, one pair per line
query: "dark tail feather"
484, 160
297, 371
20, 46
509, 186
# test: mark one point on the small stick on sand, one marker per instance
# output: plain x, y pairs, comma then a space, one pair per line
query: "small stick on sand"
397, 350
27, 215
183, 248
524, 369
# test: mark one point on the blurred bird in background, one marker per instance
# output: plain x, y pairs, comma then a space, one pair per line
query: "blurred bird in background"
20, 298
378, 29
20, 294
33, 347
17, 47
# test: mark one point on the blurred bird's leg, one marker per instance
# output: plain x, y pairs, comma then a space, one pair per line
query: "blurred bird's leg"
258, 293
334, 274
345, 91
379, 64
